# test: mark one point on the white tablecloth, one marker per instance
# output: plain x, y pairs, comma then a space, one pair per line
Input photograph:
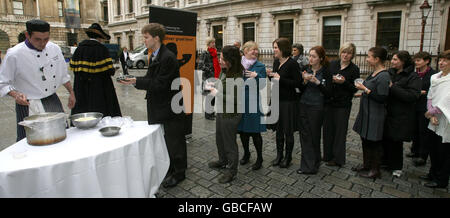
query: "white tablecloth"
87, 164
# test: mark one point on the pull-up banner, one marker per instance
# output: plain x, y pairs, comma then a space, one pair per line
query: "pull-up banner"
181, 30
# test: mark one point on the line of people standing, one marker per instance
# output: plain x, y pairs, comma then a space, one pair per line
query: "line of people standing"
317, 97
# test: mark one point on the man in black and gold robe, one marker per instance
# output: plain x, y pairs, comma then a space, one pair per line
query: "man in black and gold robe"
93, 67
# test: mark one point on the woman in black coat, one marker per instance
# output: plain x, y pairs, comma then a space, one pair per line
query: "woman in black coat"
404, 91
419, 148
287, 78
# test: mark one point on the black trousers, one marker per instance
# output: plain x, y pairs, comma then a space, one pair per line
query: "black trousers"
440, 159
310, 126
335, 126
125, 69
420, 145
393, 154
372, 152
176, 146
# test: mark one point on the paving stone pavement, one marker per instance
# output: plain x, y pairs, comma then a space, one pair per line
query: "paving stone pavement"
268, 182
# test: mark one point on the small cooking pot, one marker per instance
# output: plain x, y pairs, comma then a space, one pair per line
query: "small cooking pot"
45, 128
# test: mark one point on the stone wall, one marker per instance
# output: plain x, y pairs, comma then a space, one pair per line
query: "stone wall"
358, 21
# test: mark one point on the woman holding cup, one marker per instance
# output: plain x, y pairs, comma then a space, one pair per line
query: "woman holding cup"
286, 79
369, 123
317, 87
251, 124
337, 109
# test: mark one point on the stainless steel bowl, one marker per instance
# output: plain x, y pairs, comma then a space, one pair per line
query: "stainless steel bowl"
86, 124
110, 130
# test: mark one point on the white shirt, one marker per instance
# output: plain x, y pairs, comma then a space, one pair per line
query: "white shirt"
20, 71
125, 55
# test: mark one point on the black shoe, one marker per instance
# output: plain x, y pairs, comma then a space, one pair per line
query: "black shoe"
172, 181
306, 173
226, 178
333, 164
257, 165
245, 159
434, 185
286, 162
419, 162
372, 174
426, 177
217, 165
277, 161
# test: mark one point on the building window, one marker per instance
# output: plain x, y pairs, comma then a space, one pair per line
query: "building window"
130, 6
218, 35
118, 7
118, 41
286, 29
331, 37
105, 12
18, 7
60, 8
388, 30
130, 39
149, 2
248, 32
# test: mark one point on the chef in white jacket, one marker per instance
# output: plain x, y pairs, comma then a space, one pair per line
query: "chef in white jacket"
31, 73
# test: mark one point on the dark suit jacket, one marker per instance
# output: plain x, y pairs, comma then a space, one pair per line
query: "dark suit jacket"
157, 82
122, 58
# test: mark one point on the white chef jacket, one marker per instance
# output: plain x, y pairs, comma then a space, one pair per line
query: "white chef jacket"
21, 66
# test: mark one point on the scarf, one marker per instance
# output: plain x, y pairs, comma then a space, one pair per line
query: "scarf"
422, 74
247, 63
213, 53
439, 94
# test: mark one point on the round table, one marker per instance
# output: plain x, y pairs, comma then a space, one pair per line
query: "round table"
87, 164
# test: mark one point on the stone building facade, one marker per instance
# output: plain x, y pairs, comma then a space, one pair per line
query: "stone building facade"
14, 14
394, 24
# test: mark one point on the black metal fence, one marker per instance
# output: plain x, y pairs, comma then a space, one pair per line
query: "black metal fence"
266, 57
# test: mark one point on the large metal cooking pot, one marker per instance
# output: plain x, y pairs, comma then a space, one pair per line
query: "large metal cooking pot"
45, 128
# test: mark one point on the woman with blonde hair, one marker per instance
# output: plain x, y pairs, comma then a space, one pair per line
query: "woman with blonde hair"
251, 122
338, 107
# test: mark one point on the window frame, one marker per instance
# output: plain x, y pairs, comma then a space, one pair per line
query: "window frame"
326, 33
377, 29
279, 28
243, 31
16, 9
60, 9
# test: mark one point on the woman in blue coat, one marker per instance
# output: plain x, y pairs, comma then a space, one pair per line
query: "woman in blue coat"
251, 124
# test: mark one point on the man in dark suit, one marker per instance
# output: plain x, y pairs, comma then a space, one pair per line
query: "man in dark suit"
162, 70
124, 57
